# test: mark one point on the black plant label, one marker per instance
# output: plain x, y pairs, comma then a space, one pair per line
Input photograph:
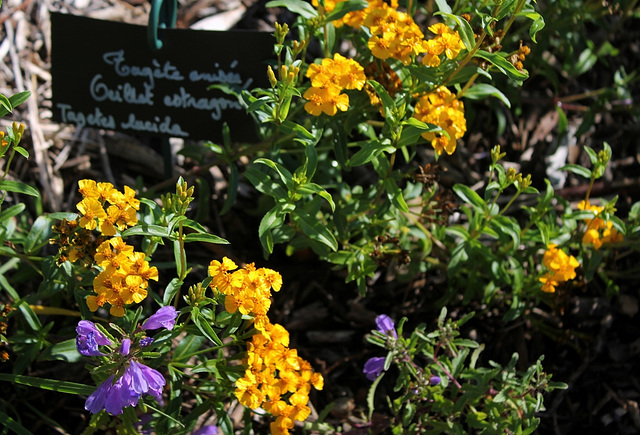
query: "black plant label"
106, 75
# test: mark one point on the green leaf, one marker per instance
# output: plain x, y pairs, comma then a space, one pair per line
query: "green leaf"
371, 394
273, 219
314, 228
204, 327
283, 172
577, 169
18, 187
394, 193
49, 384
369, 150
469, 196
38, 235
313, 188
503, 65
23, 152
423, 73
5, 105
19, 98
413, 130
387, 102
344, 8
484, 90
562, 120
9, 422
63, 351
304, 9
208, 238
171, 290
12, 211
536, 26
187, 348
146, 230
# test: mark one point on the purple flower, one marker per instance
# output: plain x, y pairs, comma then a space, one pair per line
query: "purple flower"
434, 380
206, 430
146, 341
145, 380
373, 367
89, 338
386, 325
137, 379
95, 402
125, 347
165, 317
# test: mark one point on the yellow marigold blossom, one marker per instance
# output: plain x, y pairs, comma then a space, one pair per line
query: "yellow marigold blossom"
277, 379
561, 268
91, 210
123, 279
599, 231
446, 41
328, 79
440, 107
106, 208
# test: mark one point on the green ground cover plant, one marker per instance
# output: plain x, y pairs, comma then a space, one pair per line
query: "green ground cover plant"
367, 101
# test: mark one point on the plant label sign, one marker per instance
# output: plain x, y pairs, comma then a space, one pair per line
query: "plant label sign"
105, 75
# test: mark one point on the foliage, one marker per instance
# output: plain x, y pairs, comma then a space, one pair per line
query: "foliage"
362, 112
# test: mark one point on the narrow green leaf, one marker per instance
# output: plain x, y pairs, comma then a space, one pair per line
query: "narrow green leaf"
577, 169
387, 102
19, 98
18, 187
469, 196
48, 384
313, 188
273, 219
285, 175
204, 327
146, 230
208, 238
9, 422
484, 90
314, 228
171, 290
503, 65
12, 211
38, 235
394, 193
304, 9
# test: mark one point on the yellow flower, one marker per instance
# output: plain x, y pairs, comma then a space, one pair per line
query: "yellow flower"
441, 108
91, 210
561, 268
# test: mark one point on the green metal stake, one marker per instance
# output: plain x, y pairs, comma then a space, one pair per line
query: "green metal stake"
163, 15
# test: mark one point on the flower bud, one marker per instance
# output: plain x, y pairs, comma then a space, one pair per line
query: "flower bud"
272, 77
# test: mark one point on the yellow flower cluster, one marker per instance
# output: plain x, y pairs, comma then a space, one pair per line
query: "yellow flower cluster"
562, 267
599, 231
246, 290
124, 278
446, 41
277, 379
120, 211
440, 107
393, 33
328, 79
